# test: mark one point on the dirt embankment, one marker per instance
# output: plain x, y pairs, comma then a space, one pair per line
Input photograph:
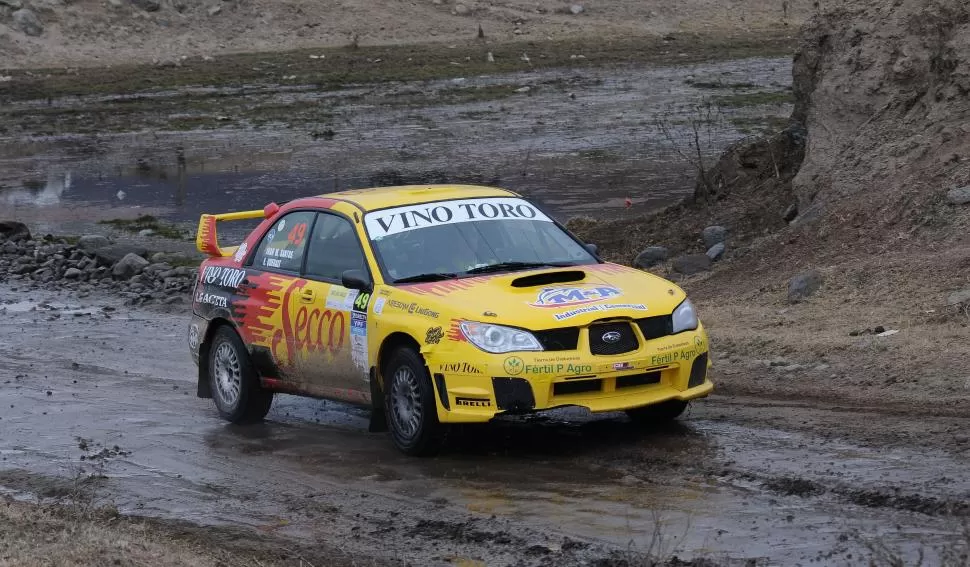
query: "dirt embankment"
60, 33
872, 165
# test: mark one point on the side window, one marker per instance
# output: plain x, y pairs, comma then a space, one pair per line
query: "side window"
334, 249
283, 246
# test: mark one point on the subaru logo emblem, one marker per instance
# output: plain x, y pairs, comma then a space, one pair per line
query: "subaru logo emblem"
611, 337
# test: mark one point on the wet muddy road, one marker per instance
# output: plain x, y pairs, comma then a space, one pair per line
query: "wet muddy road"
580, 141
782, 482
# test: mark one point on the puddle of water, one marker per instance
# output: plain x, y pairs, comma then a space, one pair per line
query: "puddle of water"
45, 307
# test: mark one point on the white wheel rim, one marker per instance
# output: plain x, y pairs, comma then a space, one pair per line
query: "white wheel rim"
228, 375
406, 406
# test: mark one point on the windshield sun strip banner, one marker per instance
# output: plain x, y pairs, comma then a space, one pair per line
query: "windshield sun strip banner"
387, 222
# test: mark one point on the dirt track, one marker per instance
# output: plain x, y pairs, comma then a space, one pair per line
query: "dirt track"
782, 482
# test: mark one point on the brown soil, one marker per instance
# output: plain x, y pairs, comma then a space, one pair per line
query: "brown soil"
882, 150
96, 33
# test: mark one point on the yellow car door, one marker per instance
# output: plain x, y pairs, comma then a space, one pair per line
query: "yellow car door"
329, 319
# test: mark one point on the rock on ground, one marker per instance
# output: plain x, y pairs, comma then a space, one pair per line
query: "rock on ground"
959, 196
14, 231
691, 264
27, 22
959, 298
715, 252
804, 285
91, 242
112, 254
129, 266
147, 5
651, 256
714, 235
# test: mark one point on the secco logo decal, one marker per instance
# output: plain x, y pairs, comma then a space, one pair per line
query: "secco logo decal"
403, 219
574, 295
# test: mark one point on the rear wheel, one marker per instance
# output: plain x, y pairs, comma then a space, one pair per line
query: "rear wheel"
412, 415
657, 413
235, 385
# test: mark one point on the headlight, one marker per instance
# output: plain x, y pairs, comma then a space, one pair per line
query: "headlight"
498, 339
684, 317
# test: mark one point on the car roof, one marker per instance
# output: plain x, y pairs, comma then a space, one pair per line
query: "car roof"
385, 197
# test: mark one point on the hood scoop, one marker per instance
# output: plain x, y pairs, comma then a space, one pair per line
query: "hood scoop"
547, 278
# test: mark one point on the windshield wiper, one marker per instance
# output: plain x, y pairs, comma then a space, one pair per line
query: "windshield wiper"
431, 277
503, 266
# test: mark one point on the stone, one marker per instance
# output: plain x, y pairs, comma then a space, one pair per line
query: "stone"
129, 266
576, 9
91, 242
72, 273
714, 235
959, 298
790, 213
715, 252
651, 256
959, 196
157, 267
112, 254
27, 22
804, 285
461, 9
146, 232
215, 10
12, 4
691, 264
14, 231
147, 5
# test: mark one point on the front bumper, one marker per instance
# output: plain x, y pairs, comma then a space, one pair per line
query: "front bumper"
476, 389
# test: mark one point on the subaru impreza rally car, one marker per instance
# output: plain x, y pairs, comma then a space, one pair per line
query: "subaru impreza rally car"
435, 305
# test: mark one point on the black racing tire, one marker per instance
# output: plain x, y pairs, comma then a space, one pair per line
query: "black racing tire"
657, 414
235, 386
409, 404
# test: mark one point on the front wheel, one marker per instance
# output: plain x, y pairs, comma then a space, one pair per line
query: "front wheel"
235, 386
657, 413
412, 415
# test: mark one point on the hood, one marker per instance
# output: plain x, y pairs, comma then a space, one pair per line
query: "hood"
551, 298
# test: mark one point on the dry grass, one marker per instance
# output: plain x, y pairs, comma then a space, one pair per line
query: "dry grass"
33, 535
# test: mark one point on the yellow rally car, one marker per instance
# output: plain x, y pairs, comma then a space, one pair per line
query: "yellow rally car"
435, 305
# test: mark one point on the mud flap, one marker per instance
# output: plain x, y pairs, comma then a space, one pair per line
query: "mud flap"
205, 386
378, 419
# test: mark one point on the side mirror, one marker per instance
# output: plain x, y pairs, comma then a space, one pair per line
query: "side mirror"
356, 279
593, 249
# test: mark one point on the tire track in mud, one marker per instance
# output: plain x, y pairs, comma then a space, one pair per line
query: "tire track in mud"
559, 489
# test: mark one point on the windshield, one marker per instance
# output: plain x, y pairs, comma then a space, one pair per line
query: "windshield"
448, 239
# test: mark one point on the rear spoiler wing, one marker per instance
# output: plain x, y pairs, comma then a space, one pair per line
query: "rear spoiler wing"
207, 239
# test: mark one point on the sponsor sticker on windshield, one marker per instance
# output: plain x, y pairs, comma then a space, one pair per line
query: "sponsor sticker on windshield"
412, 217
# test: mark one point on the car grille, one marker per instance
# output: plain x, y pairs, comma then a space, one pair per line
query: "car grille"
577, 387
558, 339
644, 379
656, 327
627, 340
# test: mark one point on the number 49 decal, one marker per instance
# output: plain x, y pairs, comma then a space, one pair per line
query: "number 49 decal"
360, 304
